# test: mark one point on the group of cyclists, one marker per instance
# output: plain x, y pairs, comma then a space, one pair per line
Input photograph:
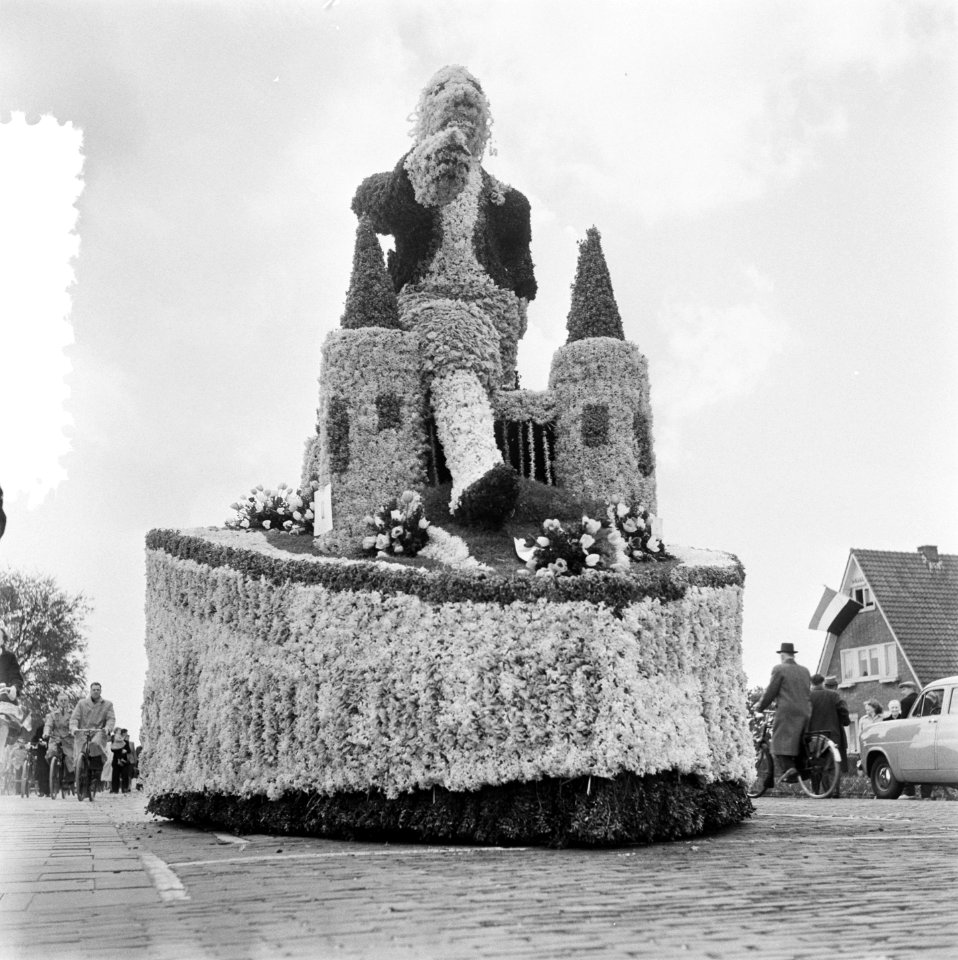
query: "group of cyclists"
87, 727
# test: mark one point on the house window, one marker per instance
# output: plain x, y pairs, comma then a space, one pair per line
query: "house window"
878, 661
864, 596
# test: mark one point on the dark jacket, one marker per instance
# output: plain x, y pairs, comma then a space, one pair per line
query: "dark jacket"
10, 670
908, 702
830, 714
501, 240
788, 688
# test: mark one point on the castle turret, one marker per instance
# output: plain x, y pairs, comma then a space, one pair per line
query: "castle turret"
601, 388
370, 433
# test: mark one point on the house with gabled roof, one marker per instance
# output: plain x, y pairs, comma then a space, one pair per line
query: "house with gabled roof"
903, 627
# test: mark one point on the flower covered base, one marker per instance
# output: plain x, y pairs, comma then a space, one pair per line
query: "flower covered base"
366, 697
583, 812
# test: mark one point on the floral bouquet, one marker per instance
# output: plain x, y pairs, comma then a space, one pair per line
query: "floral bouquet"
398, 527
280, 509
641, 531
587, 547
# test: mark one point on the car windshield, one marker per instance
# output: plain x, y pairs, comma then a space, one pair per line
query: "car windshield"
930, 703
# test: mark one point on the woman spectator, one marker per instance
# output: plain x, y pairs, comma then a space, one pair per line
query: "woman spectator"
873, 715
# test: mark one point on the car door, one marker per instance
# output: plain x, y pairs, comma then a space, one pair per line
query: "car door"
946, 743
920, 732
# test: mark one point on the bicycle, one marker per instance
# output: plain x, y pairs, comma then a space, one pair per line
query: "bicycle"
764, 778
25, 774
820, 771
822, 767
86, 783
60, 781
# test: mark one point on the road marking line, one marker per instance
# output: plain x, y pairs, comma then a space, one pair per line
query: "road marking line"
229, 838
167, 883
346, 853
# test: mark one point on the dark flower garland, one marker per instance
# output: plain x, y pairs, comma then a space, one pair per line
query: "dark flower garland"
552, 812
663, 582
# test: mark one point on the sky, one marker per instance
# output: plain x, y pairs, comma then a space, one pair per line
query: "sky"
774, 182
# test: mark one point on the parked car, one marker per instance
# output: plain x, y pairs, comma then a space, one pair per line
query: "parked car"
919, 748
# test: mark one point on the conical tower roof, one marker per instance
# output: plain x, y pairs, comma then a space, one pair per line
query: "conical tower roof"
594, 312
371, 300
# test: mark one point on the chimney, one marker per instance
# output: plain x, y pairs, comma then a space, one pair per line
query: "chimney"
929, 554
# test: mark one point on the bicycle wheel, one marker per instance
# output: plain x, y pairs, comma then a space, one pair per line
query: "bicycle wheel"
83, 777
24, 779
764, 777
822, 768
56, 772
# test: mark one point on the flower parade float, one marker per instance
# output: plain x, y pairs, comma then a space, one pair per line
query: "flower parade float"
464, 624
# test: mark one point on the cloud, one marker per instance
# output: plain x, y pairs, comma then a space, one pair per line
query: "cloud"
715, 354
680, 109
40, 166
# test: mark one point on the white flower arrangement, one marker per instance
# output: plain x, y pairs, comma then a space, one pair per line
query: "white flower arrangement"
300, 687
281, 509
446, 548
589, 547
398, 527
640, 530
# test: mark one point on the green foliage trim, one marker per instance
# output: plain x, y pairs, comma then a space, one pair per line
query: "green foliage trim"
583, 812
371, 300
594, 312
595, 424
617, 591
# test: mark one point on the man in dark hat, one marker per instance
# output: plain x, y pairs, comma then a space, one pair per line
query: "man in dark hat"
909, 691
830, 713
789, 690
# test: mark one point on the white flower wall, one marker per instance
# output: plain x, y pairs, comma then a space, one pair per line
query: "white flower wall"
259, 689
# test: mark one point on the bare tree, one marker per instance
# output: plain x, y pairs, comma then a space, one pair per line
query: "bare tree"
46, 629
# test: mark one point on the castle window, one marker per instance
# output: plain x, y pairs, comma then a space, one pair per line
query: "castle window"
337, 434
389, 412
595, 424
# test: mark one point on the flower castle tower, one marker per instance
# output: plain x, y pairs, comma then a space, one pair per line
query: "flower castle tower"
441, 701
424, 365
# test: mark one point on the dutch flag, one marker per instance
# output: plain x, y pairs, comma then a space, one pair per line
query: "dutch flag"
834, 612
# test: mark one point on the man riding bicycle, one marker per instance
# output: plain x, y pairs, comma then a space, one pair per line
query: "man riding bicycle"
57, 733
11, 683
93, 712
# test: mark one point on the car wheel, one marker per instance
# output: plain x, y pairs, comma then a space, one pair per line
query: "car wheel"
884, 783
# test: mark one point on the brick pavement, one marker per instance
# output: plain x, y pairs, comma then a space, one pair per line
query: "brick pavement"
803, 879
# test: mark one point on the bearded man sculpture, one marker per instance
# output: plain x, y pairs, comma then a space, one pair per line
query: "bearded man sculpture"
461, 267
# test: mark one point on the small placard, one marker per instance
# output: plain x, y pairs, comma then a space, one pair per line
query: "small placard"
323, 510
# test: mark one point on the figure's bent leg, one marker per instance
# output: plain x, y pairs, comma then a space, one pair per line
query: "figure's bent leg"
465, 426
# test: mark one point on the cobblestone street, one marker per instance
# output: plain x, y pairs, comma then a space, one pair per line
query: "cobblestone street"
802, 879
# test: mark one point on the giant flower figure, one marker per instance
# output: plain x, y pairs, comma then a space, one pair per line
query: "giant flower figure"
461, 267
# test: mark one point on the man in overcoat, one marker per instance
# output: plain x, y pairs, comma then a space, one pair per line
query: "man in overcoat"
789, 689
830, 714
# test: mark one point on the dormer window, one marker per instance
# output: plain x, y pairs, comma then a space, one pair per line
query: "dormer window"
864, 596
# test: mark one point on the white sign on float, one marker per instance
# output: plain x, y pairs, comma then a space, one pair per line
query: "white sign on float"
323, 510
